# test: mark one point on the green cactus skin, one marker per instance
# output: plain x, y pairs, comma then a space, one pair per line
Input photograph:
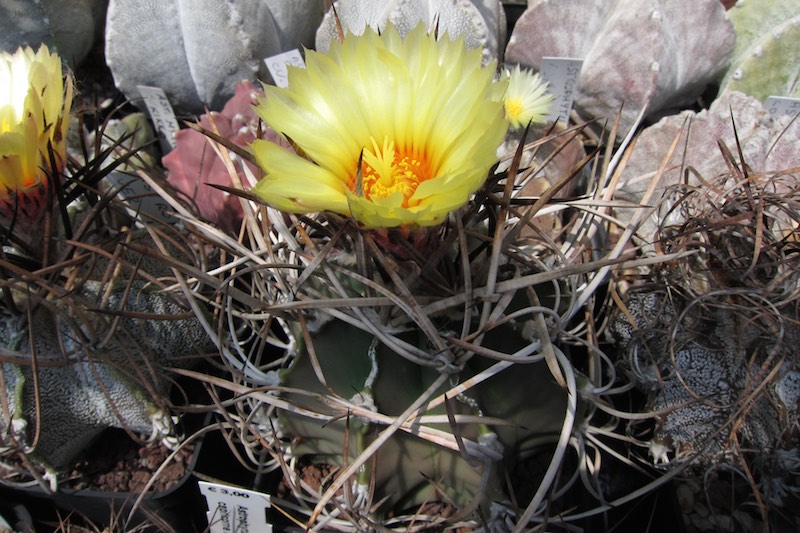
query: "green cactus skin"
767, 58
402, 462
406, 464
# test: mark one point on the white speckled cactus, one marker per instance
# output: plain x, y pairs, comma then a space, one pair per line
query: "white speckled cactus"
482, 23
88, 356
198, 50
699, 361
711, 337
767, 57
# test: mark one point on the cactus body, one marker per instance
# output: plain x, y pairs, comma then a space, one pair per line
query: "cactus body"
767, 144
197, 51
71, 27
767, 57
679, 50
482, 23
409, 470
713, 365
92, 359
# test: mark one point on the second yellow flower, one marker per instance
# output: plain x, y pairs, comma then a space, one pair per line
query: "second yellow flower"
34, 117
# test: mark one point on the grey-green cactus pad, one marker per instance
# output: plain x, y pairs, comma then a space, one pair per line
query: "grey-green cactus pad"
767, 57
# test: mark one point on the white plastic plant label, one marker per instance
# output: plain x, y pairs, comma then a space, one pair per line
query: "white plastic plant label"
161, 114
561, 73
235, 510
140, 197
278, 66
782, 105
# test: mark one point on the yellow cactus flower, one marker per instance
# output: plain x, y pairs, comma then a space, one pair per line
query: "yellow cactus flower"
389, 131
526, 100
34, 116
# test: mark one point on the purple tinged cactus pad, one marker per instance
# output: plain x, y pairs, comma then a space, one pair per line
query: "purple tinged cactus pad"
194, 165
644, 53
481, 22
767, 145
767, 58
197, 50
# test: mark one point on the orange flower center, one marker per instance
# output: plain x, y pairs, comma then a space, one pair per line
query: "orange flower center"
386, 171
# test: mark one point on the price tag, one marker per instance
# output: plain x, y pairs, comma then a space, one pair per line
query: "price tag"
278, 66
235, 510
162, 115
782, 105
141, 197
561, 74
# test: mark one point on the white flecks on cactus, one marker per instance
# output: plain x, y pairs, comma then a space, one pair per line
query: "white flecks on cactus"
198, 50
706, 362
678, 51
69, 27
100, 350
482, 23
80, 390
76, 401
767, 57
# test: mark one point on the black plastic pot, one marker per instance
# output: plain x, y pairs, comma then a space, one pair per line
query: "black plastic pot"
180, 508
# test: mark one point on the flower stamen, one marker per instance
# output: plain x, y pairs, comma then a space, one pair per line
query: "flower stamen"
387, 171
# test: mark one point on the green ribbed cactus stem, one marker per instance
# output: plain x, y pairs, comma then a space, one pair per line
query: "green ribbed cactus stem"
409, 469
767, 57
372, 376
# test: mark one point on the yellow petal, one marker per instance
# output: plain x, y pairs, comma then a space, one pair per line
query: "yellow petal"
34, 117
424, 116
295, 185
